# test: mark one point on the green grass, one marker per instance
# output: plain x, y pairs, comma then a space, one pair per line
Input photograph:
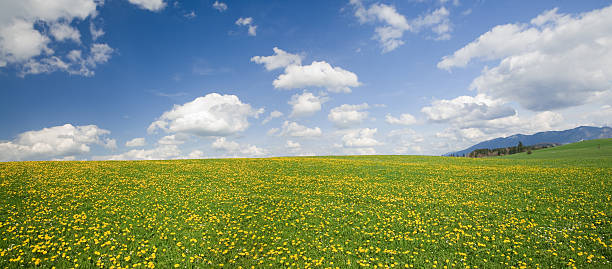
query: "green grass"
324, 212
590, 149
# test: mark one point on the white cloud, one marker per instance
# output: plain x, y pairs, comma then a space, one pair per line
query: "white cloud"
20, 41
151, 5
394, 24
234, 149
163, 152
305, 104
110, 143
317, 74
223, 144
280, 59
31, 49
136, 142
553, 62
63, 31
273, 131
248, 22
210, 115
406, 141
190, 15
252, 30
100, 53
67, 158
360, 151
437, 21
196, 154
360, 138
488, 129
244, 21
296, 130
54, 142
292, 145
600, 117
480, 117
75, 64
171, 140
404, 119
95, 32
274, 114
346, 116
467, 110
31, 30
220, 6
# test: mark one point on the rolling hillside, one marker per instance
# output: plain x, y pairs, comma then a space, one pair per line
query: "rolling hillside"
591, 149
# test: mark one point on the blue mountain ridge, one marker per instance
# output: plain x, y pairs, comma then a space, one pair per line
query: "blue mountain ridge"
561, 137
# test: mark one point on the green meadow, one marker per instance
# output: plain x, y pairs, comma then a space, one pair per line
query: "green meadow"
551, 208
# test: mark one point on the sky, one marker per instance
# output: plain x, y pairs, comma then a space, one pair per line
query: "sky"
167, 79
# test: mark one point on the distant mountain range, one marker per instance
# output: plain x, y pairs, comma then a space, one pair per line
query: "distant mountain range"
560, 137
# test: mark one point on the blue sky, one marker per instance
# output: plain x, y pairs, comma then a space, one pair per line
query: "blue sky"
160, 79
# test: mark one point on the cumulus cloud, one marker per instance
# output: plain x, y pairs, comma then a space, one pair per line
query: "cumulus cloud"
292, 145
162, 152
196, 154
74, 65
306, 104
63, 31
171, 140
555, 61
210, 115
406, 141
31, 31
20, 41
136, 142
437, 21
296, 130
152, 5
404, 119
220, 6
360, 138
280, 59
317, 74
467, 110
54, 142
234, 149
274, 114
346, 116
248, 22
394, 24
474, 118
482, 130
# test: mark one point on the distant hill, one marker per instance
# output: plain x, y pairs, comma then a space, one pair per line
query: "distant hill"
559, 137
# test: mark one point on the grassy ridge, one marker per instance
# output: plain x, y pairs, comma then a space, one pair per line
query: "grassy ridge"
377, 211
590, 149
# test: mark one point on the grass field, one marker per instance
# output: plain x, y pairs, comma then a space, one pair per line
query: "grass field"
336, 212
597, 149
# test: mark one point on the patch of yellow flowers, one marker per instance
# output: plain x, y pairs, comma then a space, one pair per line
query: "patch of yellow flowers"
327, 212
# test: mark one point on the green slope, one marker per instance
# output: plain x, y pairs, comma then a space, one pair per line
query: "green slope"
597, 149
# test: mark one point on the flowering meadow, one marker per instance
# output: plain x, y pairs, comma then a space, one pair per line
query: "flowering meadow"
300, 212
